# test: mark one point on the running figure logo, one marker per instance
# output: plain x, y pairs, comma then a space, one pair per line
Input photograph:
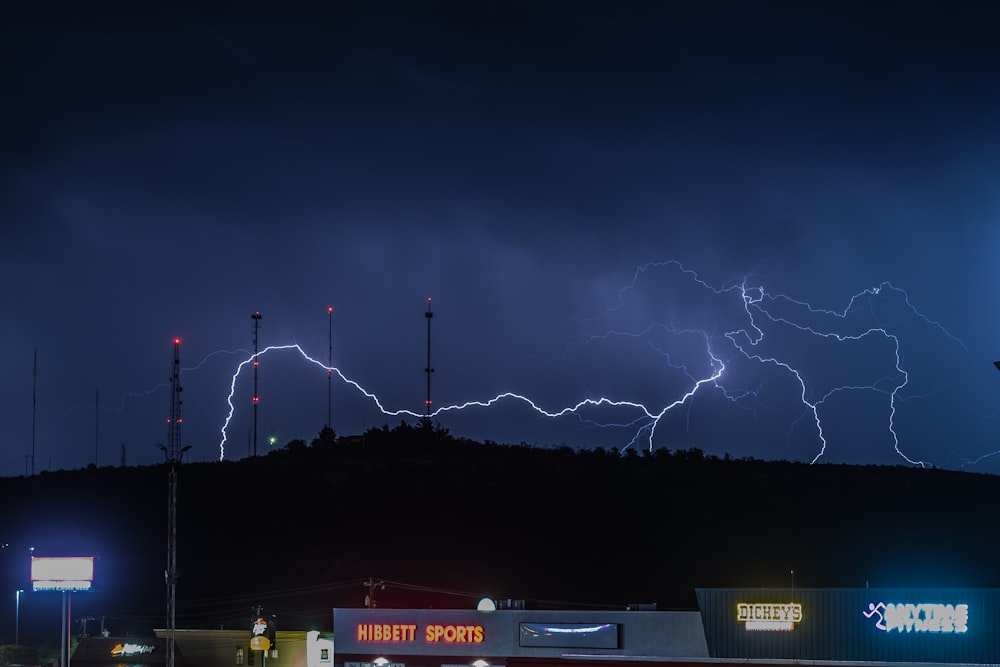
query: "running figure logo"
876, 609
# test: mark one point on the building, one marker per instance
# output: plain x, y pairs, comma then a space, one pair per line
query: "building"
516, 637
748, 626
755, 626
206, 648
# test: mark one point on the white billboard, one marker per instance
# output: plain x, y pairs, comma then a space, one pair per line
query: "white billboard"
62, 573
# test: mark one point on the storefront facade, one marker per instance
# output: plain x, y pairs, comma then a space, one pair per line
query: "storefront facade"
936, 626
755, 626
436, 638
758, 626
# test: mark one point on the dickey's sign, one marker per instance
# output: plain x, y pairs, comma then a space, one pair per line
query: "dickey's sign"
408, 633
769, 616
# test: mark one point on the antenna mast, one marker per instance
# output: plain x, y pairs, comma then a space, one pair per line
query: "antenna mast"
173, 452
329, 373
97, 426
34, 409
429, 370
256, 362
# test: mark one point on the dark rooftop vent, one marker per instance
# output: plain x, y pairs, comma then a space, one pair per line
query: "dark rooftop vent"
510, 604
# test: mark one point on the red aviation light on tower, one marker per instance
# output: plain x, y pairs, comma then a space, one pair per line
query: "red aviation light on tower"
177, 341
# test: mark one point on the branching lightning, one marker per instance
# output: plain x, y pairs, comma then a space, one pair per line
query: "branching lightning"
156, 388
749, 318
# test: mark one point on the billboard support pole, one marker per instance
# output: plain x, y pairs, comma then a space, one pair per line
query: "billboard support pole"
66, 610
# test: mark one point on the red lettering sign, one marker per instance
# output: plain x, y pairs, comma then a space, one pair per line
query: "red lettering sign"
454, 634
433, 634
386, 632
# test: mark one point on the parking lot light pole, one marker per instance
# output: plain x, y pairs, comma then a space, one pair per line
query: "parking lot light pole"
17, 617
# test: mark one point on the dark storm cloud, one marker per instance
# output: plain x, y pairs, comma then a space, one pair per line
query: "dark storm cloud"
170, 170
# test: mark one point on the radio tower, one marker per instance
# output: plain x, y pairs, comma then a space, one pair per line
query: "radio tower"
256, 362
34, 409
173, 452
329, 373
429, 370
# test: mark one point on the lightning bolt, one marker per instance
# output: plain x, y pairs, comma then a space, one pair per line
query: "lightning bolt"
328, 369
747, 317
863, 298
758, 307
152, 390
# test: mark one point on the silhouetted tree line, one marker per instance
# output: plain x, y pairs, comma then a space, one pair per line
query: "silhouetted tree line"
300, 528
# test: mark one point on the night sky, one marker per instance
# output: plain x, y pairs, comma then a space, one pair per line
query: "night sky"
772, 226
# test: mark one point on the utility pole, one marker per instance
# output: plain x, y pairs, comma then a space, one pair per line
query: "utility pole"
372, 585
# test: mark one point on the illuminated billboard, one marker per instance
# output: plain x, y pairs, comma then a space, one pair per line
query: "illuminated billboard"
62, 573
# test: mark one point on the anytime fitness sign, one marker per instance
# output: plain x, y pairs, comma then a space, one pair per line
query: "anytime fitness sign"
938, 618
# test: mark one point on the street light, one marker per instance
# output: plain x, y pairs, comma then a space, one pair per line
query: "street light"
17, 617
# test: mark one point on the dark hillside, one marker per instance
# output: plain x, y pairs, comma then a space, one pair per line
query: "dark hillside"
442, 521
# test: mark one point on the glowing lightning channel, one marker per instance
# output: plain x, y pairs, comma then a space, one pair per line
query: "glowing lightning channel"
652, 417
758, 306
758, 311
757, 303
149, 392
328, 369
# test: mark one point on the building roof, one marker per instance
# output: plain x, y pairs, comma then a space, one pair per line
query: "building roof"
117, 651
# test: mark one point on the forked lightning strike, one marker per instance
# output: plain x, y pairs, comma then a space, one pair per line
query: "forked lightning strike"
758, 310
652, 417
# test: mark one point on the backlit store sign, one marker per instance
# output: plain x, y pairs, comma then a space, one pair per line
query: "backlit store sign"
769, 615
128, 650
407, 633
940, 618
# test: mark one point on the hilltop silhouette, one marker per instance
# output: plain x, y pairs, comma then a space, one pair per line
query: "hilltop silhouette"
437, 521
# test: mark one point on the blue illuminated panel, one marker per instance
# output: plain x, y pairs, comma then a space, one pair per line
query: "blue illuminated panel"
938, 626
570, 635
